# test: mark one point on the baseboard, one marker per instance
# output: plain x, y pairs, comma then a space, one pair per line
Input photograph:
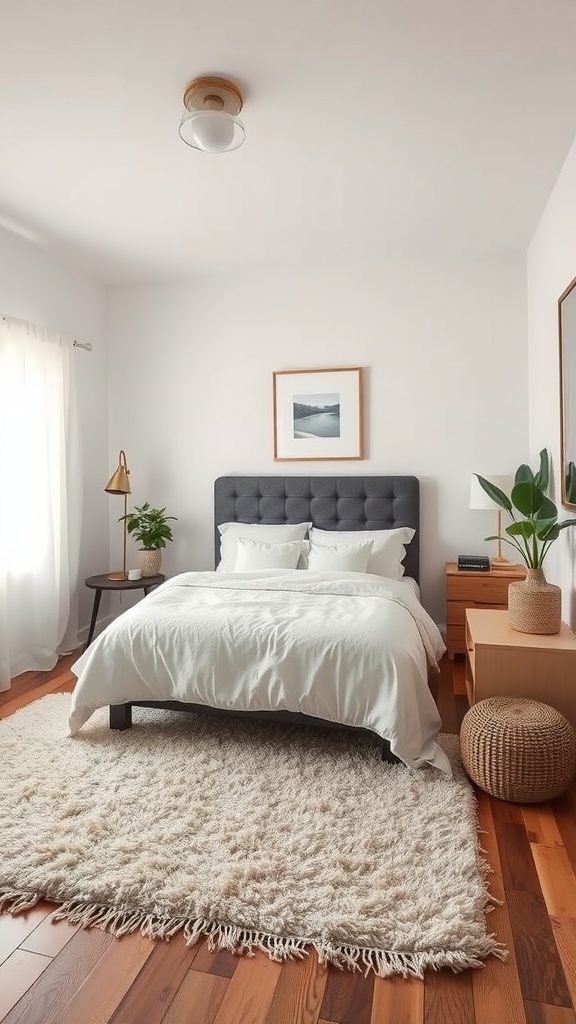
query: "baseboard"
82, 635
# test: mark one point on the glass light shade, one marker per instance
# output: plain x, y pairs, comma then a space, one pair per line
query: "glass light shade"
212, 131
478, 497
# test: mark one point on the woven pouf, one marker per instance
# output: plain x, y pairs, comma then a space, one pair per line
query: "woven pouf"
518, 749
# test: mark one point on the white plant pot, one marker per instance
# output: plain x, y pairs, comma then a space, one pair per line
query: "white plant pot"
150, 562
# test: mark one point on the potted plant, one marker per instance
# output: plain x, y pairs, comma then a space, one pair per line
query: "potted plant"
534, 605
150, 527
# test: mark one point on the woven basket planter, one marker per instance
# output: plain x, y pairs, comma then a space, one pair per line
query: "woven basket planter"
150, 562
534, 606
518, 749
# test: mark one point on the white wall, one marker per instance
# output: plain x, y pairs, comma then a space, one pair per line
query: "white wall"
551, 267
35, 286
445, 350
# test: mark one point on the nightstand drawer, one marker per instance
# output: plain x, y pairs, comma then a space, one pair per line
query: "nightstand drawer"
456, 610
473, 590
488, 590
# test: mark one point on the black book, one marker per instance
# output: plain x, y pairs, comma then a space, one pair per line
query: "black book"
474, 563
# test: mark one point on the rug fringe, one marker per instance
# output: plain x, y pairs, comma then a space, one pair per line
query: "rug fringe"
16, 901
122, 921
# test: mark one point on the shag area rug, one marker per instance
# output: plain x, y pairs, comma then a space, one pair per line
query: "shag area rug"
255, 835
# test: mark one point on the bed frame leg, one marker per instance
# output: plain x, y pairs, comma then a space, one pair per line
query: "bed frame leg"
120, 716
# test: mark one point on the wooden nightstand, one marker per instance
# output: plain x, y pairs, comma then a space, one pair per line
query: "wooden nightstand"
473, 590
500, 662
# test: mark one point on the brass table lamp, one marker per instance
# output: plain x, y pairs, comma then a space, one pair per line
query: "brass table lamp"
480, 500
119, 483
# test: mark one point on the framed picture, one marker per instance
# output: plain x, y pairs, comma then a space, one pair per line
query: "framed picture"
318, 414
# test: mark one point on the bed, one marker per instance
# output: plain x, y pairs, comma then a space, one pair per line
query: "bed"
192, 637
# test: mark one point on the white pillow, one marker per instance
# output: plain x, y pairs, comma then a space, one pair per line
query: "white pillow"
231, 532
251, 554
387, 553
340, 557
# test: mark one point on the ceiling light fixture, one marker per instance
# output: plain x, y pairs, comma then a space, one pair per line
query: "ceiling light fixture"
210, 122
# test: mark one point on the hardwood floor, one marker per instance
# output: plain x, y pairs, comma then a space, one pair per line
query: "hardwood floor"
58, 974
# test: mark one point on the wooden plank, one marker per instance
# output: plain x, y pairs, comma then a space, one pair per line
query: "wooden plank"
50, 936
299, 992
448, 998
66, 687
15, 928
459, 677
55, 987
197, 1001
105, 987
21, 702
398, 999
540, 1013
157, 983
505, 812
534, 944
541, 825
565, 937
445, 697
347, 997
565, 817
557, 880
496, 988
17, 974
250, 992
516, 857
462, 705
29, 683
489, 843
217, 961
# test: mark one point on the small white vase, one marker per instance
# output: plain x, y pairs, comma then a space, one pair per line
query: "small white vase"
149, 562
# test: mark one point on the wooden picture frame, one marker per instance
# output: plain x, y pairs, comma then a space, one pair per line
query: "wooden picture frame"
318, 414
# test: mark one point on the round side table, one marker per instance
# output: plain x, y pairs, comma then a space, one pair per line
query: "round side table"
100, 583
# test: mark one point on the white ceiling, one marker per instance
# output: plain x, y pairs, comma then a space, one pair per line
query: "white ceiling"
375, 128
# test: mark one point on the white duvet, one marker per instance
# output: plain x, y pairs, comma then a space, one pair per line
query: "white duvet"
348, 647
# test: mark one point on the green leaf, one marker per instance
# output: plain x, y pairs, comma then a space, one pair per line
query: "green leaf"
547, 509
523, 475
565, 523
527, 498
495, 493
543, 526
571, 483
551, 533
542, 477
524, 529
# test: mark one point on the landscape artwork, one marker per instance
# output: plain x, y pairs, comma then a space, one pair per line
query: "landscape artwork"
318, 414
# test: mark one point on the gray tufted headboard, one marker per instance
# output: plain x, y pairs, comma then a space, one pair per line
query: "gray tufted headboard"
329, 502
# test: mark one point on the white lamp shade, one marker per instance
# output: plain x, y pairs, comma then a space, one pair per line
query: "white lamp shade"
478, 497
212, 131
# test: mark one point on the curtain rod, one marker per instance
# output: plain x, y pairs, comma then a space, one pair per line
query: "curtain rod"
75, 344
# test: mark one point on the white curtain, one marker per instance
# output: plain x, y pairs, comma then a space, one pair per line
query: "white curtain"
40, 498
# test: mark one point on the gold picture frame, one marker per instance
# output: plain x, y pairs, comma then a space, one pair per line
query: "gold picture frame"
567, 367
318, 414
